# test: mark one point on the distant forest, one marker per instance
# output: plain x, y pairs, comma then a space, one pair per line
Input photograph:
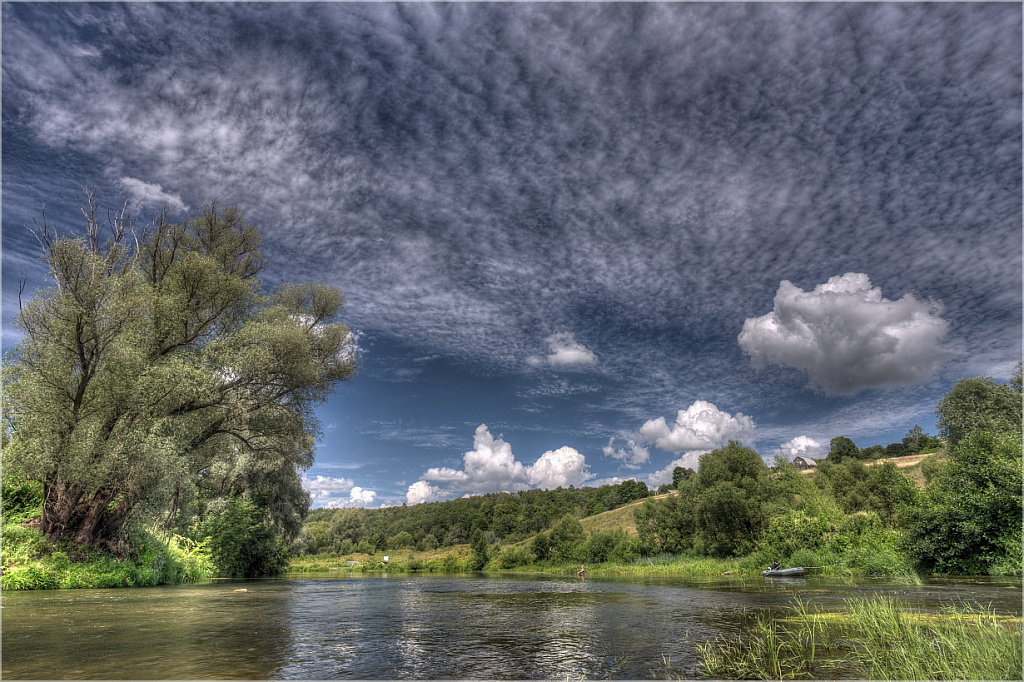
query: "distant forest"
502, 517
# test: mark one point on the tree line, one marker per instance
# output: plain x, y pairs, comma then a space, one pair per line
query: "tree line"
498, 517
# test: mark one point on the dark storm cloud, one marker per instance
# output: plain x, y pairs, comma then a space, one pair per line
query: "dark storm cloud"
642, 177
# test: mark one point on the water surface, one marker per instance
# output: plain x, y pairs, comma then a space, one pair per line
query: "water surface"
422, 627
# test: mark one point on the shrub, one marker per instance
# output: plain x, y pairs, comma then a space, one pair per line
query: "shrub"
479, 546
568, 541
794, 531
968, 521
241, 544
517, 555
626, 550
33, 577
601, 543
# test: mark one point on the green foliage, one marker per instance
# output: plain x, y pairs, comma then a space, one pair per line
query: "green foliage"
31, 562
514, 556
568, 541
20, 501
978, 404
541, 546
427, 543
841, 448
401, 540
789, 490
731, 500
789, 533
969, 518
154, 380
665, 525
874, 549
896, 450
727, 519
872, 452
509, 517
479, 546
680, 474
917, 441
21, 545
881, 488
240, 541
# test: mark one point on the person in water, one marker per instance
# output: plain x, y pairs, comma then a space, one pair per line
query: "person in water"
582, 571
775, 566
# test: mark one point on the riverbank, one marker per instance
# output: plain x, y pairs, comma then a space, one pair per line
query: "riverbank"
30, 562
457, 560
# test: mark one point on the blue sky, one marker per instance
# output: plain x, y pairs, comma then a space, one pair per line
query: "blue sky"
579, 242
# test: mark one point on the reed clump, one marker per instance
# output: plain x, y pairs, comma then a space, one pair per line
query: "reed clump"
877, 638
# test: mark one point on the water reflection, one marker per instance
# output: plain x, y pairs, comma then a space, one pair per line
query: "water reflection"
142, 633
410, 627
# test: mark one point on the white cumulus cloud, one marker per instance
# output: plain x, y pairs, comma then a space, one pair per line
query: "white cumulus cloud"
565, 352
333, 492
491, 467
701, 426
149, 193
421, 491
801, 446
847, 337
361, 496
632, 456
562, 467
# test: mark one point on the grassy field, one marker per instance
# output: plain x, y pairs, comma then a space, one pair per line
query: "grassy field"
910, 465
618, 518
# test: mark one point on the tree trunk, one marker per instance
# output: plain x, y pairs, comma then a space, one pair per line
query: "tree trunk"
86, 531
59, 503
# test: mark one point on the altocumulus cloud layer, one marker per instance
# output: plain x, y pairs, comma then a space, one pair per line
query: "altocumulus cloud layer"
626, 208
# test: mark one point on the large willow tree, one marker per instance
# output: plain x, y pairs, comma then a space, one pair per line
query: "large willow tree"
157, 375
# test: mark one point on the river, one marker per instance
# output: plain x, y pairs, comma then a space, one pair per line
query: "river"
425, 627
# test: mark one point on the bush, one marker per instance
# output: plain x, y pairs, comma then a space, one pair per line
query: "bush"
240, 542
31, 562
968, 521
568, 541
480, 556
626, 550
517, 555
794, 531
21, 544
806, 558
978, 404
33, 577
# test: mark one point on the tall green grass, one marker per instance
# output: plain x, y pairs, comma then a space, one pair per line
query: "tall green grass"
878, 638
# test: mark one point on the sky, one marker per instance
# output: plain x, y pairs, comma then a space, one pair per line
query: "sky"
579, 243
